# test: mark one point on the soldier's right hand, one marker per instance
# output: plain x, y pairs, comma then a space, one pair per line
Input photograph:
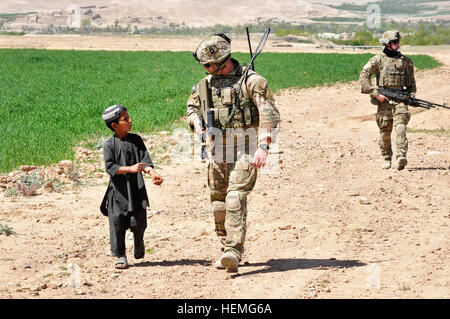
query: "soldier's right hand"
381, 98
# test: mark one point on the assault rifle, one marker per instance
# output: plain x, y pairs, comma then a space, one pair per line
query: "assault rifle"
205, 105
402, 96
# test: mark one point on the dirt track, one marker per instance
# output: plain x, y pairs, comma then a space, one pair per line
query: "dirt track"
329, 223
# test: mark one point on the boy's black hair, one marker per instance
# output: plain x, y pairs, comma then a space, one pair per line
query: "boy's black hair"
112, 115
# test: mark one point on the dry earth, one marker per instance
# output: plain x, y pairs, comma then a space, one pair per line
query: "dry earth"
324, 222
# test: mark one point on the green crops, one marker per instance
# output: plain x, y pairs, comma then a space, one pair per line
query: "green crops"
52, 100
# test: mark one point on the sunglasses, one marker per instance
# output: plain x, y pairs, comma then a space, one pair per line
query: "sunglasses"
395, 41
207, 65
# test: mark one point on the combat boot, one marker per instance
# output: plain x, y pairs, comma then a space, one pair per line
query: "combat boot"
386, 164
402, 161
218, 264
229, 261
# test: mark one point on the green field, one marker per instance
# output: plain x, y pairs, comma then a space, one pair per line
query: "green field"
52, 100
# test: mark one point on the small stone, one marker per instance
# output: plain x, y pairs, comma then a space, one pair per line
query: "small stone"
364, 200
48, 187
27, 168
26, 266
52, 285
66, 166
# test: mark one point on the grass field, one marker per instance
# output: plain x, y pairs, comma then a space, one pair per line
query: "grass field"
52, 100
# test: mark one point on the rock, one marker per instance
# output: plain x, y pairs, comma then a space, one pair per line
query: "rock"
286, 227
364, 200
36, 287
26, 266
13, 174
52, 285
66, 166
48, 187
27, 168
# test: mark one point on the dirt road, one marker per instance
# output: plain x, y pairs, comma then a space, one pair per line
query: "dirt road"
325, 222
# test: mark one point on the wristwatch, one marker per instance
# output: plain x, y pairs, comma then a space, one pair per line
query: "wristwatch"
264, 147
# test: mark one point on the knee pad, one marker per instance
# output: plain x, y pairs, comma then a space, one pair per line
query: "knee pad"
218, 210
400, 128
232, 201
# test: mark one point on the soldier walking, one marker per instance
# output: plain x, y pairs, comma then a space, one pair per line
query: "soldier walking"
241, 117
393, 70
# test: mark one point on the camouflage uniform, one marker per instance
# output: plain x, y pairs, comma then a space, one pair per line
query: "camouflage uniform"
392, 70
231, 178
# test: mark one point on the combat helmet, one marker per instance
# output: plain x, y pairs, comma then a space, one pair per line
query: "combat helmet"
390, 35
215, 48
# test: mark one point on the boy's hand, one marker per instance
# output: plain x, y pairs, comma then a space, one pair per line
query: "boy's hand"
156, 178
137, 168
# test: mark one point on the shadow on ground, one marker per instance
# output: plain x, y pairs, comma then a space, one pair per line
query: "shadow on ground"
286, 264
413, 169
170, 263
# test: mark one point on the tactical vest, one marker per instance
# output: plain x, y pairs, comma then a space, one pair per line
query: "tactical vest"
394, 73
224, 93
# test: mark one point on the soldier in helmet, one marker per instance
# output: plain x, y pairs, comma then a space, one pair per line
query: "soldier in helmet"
396, 71
242, 117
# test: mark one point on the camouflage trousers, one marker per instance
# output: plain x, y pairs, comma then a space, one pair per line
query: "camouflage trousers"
229, 185
393, 116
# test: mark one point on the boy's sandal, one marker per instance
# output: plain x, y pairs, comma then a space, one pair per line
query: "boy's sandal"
121, 263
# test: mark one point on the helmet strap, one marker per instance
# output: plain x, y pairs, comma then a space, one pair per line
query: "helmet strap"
219, 68
220, 65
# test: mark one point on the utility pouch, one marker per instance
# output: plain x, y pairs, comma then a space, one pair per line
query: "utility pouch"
248, 116
399, 64
223, 115
227, 96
